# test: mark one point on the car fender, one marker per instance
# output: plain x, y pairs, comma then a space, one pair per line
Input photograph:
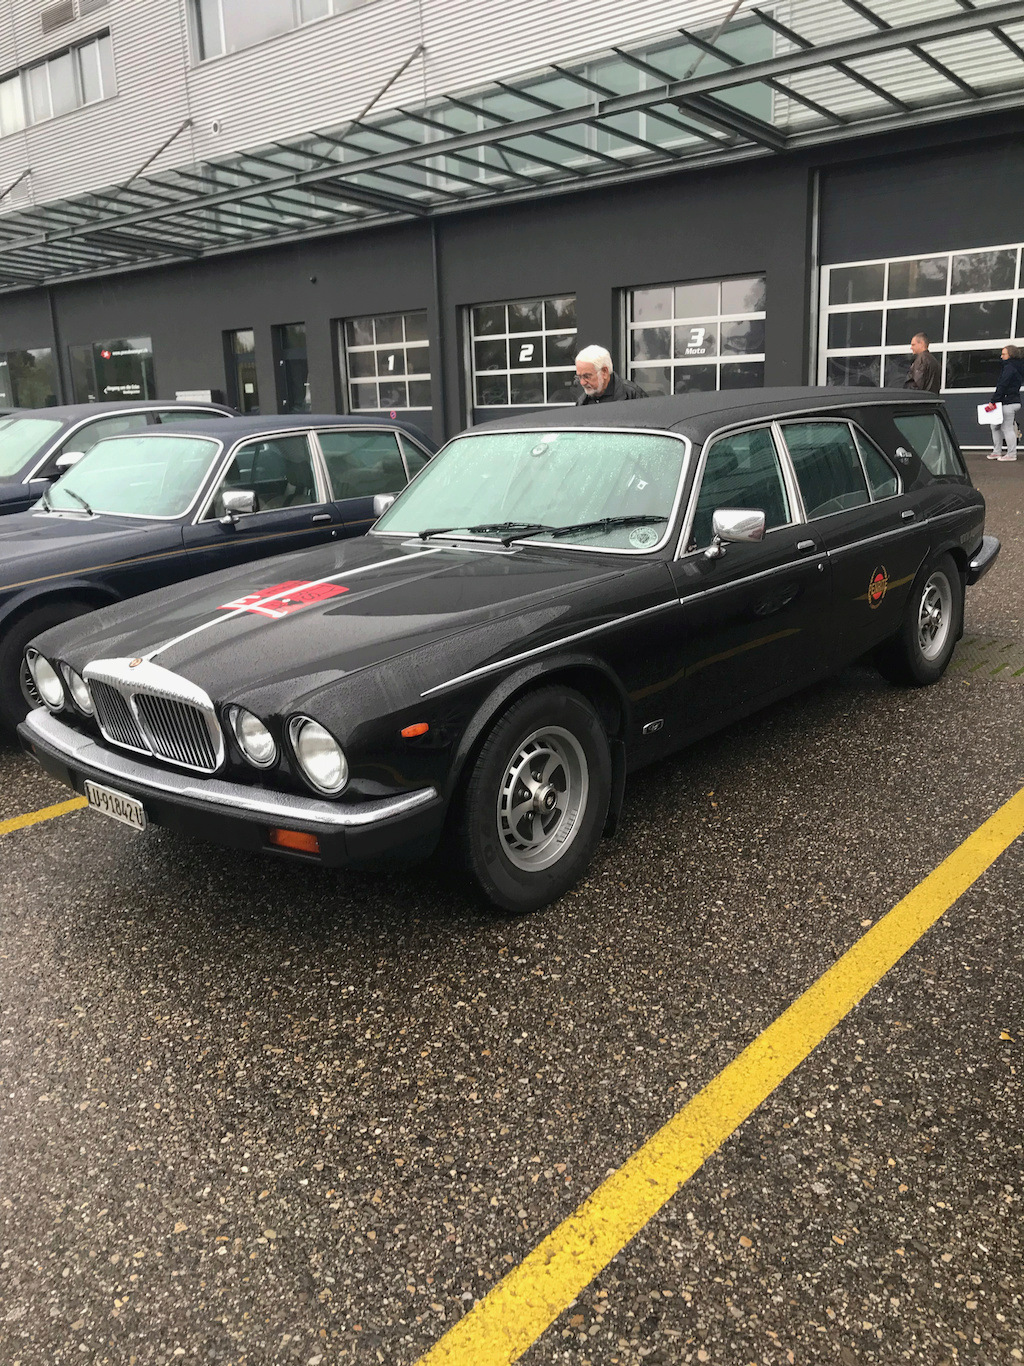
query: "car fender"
36, 595
538, 673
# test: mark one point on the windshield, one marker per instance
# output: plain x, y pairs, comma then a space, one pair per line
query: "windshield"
503, 480
141, 476
21, 438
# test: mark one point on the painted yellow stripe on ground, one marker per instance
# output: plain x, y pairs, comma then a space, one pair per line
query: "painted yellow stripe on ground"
501, 1327
46, 814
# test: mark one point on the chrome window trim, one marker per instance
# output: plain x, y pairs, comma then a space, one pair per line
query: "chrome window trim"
475, 434
786, 568
553, 645
62, 436
796, 505
839, 422
403, 437
298, 430
858, 430
154, 516
362, 427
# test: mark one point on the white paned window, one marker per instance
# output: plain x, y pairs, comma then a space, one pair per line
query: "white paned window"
387, 362
220, 26
78, 76
523, 354
967, 303
697, 335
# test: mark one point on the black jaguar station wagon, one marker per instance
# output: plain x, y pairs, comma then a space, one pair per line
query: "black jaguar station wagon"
549, 605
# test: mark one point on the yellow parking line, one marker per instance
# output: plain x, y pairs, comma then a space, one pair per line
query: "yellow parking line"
500, 1327
46, 814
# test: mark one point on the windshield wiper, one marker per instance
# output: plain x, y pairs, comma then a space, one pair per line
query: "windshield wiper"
601, 524
79, 499
519, 528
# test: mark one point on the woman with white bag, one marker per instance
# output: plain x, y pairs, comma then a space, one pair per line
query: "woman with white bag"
1007, 393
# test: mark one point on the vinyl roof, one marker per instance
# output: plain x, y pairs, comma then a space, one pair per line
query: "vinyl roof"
698, 414
684, 101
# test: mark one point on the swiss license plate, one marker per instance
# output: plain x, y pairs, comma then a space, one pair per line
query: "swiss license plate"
116, 805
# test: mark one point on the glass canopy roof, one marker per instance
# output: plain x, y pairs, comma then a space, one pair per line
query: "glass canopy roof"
754, 89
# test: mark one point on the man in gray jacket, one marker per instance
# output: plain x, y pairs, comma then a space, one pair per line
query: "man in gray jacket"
925, 370
599, 381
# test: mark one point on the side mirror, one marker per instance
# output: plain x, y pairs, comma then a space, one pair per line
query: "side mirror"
381, 503
238, 503
734, 524
67, 459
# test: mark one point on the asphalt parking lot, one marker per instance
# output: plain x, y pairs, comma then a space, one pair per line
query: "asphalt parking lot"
256, 1113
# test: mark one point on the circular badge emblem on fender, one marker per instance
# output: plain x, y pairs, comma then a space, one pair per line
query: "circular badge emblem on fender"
878, 586
643, 537
134, 663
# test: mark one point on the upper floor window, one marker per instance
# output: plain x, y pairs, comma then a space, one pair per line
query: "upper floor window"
75, 77
229, 25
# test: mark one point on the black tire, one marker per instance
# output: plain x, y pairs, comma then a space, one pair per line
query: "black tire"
920, 651
17, 693
553, 739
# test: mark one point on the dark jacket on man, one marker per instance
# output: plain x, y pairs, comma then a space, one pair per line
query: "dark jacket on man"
925, 373
1009, 382
615, 391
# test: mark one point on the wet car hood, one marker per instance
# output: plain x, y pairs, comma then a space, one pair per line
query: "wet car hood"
61, 541
280, 629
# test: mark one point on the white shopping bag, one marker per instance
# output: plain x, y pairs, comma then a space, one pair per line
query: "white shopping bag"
990, 419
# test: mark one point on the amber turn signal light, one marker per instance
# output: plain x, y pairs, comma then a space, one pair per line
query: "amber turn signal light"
410, 732
295, 839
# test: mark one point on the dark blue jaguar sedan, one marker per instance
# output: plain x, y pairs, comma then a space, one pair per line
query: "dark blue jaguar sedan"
38, 444
147, 509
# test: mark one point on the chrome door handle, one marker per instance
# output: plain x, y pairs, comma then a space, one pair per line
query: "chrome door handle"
804, 546
320, 517
908, 515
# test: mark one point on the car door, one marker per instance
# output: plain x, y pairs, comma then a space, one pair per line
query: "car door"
753, 619
853, 504
292, 509
361, 463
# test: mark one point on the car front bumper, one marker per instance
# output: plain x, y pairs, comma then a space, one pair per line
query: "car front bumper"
234, 814
983, 559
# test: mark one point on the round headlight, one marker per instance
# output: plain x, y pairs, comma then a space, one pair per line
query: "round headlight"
46, 679
254, 740
79, 690
319, 754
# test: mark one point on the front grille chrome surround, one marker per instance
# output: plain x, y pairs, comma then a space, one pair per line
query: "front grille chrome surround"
149, 710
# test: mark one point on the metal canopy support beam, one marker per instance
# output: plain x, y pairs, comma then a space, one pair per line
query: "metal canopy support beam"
1004, 38
918, 51
714, 112
711, 49
784, 31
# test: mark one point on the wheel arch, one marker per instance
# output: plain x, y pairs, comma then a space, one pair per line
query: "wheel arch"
589, 676
73, 590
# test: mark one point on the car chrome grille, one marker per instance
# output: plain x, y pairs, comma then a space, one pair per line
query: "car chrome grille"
143, 707
114, 715
176, 731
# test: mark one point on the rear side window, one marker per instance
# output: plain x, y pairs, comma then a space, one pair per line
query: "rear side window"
414, 457
926, 435
362, 463
741, 471
827, 465
882, 478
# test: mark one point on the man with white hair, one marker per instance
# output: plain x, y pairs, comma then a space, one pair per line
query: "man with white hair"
599, 381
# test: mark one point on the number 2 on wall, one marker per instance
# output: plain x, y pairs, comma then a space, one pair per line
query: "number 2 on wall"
526, 353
